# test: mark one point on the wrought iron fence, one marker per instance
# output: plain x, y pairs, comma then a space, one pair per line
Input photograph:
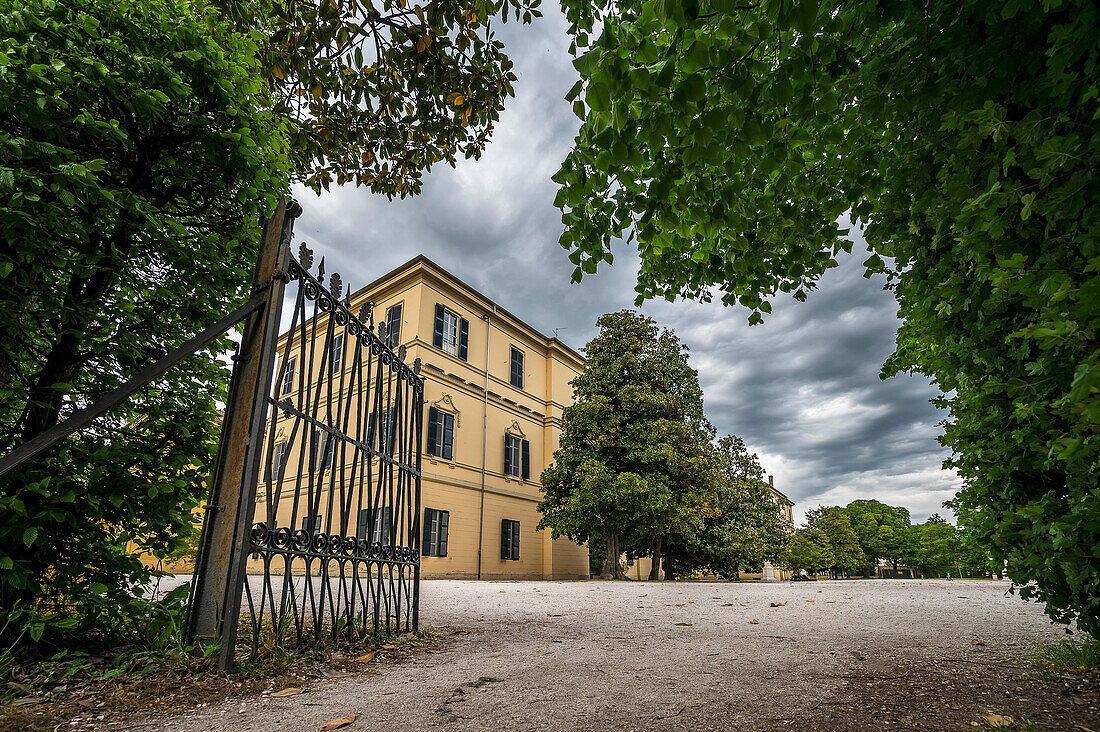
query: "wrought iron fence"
337, 537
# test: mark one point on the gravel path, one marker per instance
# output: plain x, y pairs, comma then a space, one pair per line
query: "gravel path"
641, 655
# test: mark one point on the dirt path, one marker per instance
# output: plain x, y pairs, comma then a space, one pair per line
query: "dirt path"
641, 656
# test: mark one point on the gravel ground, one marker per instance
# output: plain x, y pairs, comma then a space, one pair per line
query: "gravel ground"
641, 656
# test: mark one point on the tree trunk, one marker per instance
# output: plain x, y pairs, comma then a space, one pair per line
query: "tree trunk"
655, 567
611, 567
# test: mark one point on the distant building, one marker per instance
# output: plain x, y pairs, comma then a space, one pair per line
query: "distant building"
494, 395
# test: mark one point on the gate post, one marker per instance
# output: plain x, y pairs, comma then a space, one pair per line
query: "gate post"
215, 603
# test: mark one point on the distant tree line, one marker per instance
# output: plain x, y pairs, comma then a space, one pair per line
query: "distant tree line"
853, 540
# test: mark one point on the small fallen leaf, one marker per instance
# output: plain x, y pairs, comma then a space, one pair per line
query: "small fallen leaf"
742, 604
481, 620
977, 642
998, 720
27, 701
728, 604
691, 602
553, 615
338, 723
366, 657
681, 623
289, 691
809, 601
754, 621
388, 648
461, 632
503, 591
778, 604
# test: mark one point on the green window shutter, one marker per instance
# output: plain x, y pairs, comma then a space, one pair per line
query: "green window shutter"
433, 421
505, 539
515, 540
508, 454
437, 339
463, 338
426, 544
448, 434
444, 520
525, 449
364, 524
393, 326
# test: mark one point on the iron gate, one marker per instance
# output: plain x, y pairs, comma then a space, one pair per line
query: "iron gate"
337, 545
319, 537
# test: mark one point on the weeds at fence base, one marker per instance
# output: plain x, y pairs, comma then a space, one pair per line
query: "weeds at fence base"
90, 689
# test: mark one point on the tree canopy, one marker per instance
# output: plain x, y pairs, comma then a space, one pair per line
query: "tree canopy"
730, 140
632, 465
881, 529
844, 548
137, 154
377, 93
744, 527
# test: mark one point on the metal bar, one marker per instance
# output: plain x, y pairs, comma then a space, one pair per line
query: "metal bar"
124, 391
220, 565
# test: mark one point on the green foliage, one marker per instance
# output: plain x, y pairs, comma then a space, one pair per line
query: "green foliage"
632, 464
729, 139
377, 93
744, 527
844, 546
809, 550
881, 529
933, 548
137, 154
1074, 656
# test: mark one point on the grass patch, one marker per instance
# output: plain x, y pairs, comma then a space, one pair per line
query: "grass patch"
1079, 656
100, 689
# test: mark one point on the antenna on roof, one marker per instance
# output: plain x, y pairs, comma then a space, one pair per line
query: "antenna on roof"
556, 331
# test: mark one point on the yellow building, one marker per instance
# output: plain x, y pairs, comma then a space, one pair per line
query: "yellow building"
494, 393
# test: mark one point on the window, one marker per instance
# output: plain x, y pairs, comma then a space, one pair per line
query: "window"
509, 539
313, 526
517, 368
275, 470
324, 445
435, 533
517, 457
288, 375
452, 333
387, 437
337, 353
441, 431
377, 523
393, 326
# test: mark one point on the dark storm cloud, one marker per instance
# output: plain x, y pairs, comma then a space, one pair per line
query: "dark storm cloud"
802, 389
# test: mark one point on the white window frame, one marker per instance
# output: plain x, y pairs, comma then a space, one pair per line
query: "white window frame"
450, 332
288, 376
337, 352
515, 447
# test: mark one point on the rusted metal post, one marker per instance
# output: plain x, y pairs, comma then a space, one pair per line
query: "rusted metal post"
217, 584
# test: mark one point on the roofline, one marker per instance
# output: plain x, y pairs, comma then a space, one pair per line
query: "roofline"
420, 259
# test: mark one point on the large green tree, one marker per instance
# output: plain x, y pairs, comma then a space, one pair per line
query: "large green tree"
834, 525
810, 550
632, 465
881, 529
932, 547
729, 139
137, 154
745, 527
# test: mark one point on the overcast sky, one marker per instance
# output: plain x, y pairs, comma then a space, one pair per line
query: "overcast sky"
802, 389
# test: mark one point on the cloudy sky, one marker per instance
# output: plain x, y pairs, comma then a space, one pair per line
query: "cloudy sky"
802, 389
